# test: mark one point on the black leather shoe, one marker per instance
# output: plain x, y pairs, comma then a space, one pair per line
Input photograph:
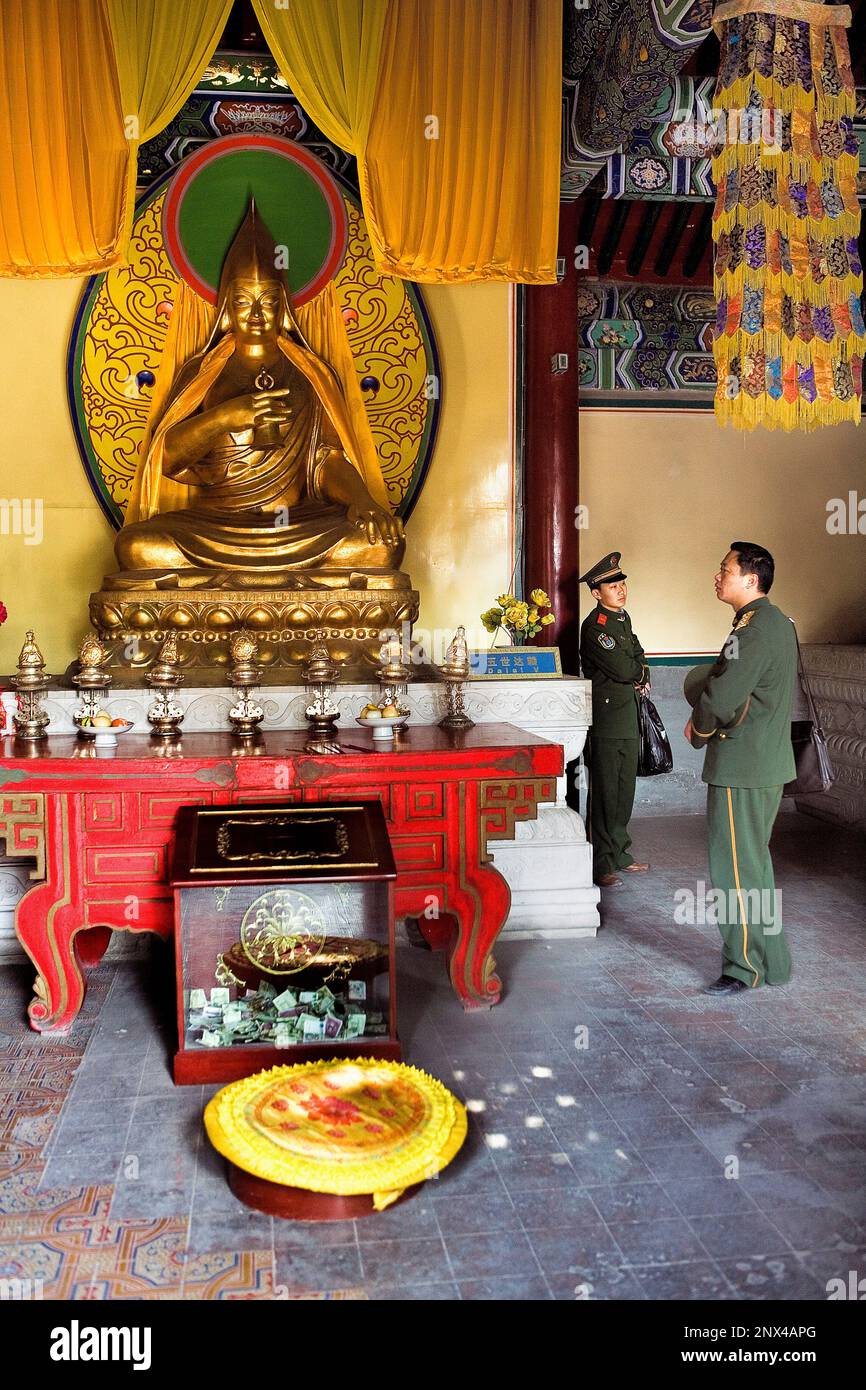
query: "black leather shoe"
726, 984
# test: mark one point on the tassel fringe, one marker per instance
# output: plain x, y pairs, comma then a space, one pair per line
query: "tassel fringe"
788, 378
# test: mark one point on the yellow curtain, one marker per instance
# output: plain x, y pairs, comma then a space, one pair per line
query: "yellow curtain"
329, 52
460, 179
452, 109
162, 48
82, 83
64, 191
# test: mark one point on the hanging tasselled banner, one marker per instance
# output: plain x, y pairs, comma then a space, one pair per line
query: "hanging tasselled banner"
788, 280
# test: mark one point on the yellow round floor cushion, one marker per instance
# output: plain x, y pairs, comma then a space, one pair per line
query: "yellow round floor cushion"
342, 1127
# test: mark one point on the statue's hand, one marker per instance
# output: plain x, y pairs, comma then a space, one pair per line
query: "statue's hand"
257, 408
378, 524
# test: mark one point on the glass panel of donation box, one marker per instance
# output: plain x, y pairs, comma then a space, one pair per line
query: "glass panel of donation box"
284, 936
285, 965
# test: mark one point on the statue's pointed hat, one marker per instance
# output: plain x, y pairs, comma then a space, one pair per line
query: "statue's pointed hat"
253, 256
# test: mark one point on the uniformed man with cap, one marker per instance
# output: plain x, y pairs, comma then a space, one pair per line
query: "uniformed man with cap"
741, 715
612, 658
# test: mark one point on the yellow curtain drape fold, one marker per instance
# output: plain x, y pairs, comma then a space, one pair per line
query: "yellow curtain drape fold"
82, 83
453, 111
65, 194
329, 52
162, 47
460, 179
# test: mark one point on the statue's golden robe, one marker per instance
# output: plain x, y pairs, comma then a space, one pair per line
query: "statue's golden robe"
252, 506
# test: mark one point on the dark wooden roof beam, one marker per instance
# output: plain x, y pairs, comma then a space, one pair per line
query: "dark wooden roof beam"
673, 235
641, 245
698, 243
609, 245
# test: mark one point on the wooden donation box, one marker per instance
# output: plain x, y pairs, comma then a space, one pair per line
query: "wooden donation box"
284, 936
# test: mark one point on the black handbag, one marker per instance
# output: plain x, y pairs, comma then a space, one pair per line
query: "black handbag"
654, 752
811, 756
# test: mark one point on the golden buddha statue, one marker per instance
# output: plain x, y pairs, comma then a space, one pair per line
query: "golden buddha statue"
257, 427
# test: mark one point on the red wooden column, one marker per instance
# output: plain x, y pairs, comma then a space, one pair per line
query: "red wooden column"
551, 446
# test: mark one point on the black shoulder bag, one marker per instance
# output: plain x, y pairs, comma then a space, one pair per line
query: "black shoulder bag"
811, 757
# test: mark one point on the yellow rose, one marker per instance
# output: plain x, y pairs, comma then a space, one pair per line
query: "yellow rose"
533, 615
540, 597
548, 618
506, 600
517, 615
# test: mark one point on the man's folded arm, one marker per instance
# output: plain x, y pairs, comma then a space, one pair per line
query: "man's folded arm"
619, 665
727, 690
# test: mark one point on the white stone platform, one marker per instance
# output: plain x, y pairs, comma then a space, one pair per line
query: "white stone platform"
548, 866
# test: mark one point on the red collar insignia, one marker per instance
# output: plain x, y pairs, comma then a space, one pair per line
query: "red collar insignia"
601, 619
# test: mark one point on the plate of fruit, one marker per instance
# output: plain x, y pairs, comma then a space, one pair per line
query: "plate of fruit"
382, 719
101, 727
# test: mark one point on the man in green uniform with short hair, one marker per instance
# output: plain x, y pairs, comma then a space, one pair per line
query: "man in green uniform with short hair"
613, 659
741, 715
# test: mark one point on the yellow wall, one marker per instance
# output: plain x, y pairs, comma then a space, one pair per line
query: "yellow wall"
459, 551
44, 586
459, 544
670, 490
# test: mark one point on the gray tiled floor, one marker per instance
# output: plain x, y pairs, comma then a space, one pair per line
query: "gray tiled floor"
600, 1171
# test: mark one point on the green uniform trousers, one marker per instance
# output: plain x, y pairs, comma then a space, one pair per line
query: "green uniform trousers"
613, 773
749, 911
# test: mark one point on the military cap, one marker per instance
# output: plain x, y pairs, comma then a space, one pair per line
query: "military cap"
607, 571
695, 683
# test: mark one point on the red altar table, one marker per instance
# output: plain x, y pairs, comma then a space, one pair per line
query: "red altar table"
99, 824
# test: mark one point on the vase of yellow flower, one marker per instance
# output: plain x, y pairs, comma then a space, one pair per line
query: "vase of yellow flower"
518, 618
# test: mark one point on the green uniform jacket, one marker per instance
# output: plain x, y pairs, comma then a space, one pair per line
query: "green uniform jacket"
741, 705
613, 659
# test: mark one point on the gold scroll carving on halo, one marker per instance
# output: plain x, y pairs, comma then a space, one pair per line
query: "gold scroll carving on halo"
125, 333
386, 343
22, 826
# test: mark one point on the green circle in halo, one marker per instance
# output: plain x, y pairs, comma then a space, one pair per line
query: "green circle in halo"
291, 202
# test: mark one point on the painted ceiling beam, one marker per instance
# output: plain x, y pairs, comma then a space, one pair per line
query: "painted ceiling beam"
621, 56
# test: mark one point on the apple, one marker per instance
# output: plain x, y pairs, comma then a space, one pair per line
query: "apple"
118, 723
102, 721
390, 712
374, 713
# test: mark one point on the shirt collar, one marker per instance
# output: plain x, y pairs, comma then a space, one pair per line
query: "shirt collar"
746, 606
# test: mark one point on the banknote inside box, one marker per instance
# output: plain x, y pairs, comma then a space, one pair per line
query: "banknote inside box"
282, 965
284, 918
